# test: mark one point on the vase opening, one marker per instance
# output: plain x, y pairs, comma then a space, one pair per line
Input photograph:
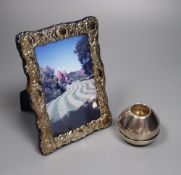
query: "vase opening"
140, 110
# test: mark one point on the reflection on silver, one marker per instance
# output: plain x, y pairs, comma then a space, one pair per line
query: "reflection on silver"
94, 104
138, 124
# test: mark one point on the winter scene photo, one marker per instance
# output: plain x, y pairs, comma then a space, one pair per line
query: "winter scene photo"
68, 83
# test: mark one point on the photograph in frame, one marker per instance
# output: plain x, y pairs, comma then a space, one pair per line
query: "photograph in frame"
68, 83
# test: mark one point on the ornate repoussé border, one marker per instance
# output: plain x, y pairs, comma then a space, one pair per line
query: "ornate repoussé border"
26, 42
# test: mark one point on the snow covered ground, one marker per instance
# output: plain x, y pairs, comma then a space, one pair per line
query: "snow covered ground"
77, 94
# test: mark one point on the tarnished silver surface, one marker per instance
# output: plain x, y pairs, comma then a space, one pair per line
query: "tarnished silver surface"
138, 124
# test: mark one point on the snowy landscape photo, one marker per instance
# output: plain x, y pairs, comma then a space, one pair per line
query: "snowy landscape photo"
68, 83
